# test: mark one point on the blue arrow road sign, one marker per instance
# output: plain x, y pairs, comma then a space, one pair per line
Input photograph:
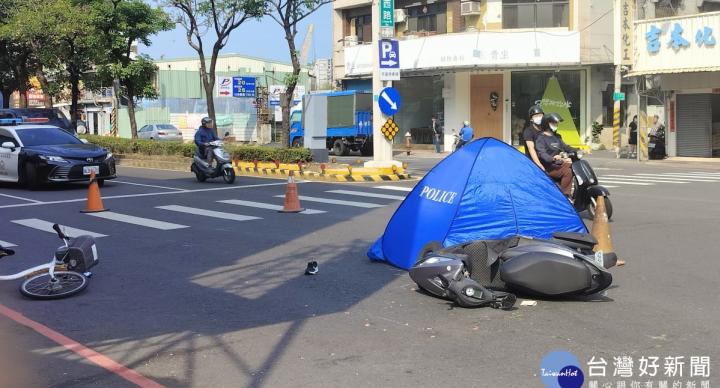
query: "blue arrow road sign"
389, 60
389, 101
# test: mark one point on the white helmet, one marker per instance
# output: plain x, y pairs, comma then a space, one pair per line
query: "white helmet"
466, 123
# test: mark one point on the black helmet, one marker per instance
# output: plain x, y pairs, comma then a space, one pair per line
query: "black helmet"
535, 109
554, 117
206, 121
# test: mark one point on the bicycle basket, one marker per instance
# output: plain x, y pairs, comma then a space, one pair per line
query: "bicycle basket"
82, 254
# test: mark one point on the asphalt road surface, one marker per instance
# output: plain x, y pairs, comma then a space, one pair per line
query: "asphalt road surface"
202, 285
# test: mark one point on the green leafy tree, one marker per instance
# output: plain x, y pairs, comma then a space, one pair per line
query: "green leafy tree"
61, 35
222, 17
136, 82
123, 24
288, 13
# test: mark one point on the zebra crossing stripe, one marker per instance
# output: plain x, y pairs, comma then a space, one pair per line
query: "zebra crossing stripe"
366, 194
365, 205
208, 213
640, 179
677, 177
267, 206
46, 226
704, 177
128, 219
395, 188
621, 182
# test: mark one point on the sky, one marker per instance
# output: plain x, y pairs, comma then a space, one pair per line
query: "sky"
263, 39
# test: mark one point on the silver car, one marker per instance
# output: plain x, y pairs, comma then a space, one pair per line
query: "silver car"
160, 132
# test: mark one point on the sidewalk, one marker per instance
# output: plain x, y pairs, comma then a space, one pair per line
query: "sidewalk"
674, 161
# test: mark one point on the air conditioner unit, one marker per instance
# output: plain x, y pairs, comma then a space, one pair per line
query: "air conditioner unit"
400, 16
351, 40
468, 8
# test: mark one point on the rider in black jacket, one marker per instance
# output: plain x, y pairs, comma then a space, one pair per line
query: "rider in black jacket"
548, 146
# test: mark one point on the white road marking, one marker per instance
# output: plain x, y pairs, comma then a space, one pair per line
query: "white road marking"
609, 187
678, 178
705, 172
624, 182
46, 226
268, 206
708, 178
366, 194
208, 213
147, 222
6, 244
638, 179
20, 198
396, 188
145, 195
145, 185
365, 205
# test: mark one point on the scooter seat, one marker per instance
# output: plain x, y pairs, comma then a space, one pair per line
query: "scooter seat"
575, 240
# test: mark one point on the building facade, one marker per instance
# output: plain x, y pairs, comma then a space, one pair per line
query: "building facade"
181, 98
487, 62
677, 58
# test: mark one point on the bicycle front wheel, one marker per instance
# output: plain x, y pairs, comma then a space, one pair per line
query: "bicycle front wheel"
65, 284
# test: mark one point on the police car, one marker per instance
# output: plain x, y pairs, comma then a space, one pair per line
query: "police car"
34, 154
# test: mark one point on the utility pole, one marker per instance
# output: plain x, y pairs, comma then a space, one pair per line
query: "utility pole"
382, 149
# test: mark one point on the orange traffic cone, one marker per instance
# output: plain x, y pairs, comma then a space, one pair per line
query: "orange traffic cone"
94, 201
292, 202
601, 231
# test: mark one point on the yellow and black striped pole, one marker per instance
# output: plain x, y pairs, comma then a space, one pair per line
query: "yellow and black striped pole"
642, 138
616, 110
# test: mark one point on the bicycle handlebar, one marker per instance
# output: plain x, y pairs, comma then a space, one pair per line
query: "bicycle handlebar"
62, 235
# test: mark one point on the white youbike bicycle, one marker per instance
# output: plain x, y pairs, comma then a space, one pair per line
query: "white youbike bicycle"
65, 275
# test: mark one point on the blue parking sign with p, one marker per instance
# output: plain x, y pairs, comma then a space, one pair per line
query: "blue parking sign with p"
389, 60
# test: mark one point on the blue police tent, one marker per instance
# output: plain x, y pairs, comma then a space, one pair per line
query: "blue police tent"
486, 190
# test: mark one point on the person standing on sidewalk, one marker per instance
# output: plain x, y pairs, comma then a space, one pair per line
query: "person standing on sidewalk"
437, 133
632, 136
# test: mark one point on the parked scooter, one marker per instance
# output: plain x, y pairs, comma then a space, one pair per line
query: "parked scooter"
223, 166
585, 186
456, 140
656, 143
484, 272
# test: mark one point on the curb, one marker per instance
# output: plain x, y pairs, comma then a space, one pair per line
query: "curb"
379, 175
311, 175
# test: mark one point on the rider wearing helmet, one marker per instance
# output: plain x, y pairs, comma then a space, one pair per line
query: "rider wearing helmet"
204, 135
466, 134
531, 132
548, 146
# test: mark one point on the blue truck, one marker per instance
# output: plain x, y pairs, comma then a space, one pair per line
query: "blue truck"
349, 123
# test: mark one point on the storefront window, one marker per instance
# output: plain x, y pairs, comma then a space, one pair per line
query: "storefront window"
535, 13
422, 98
557, 92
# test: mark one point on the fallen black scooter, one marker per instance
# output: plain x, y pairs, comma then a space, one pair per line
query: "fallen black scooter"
488, 272
586, 188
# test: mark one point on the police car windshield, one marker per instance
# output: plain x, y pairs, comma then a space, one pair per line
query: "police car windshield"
45, 136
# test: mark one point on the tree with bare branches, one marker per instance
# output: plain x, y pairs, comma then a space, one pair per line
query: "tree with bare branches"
288, 13
221, 17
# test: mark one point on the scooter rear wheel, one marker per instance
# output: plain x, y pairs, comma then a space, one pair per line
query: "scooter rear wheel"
198, 174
